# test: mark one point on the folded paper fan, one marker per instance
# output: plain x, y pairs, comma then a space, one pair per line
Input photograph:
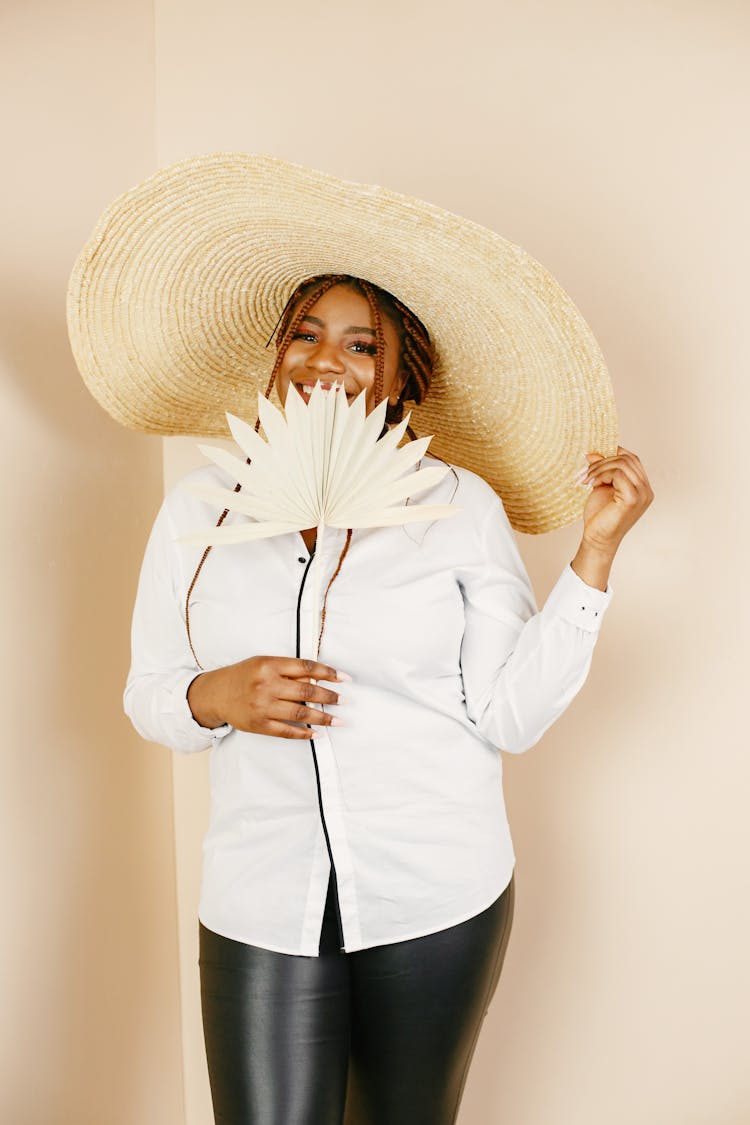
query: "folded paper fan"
324, 463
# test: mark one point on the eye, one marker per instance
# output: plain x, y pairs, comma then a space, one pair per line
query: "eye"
304, 336
365, 349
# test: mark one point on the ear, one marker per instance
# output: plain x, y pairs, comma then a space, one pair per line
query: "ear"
398, 385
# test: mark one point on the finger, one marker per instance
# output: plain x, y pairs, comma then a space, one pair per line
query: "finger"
604, 474
304, 691
283, 730
634, 460
596, 459
621, 481
295, 668
299, 713
624, 458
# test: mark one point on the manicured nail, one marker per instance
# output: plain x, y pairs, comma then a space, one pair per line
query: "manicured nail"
579, 475
343, 699
343, 676
337, 723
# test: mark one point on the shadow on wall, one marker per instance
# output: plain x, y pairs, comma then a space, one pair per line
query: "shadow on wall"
94, 989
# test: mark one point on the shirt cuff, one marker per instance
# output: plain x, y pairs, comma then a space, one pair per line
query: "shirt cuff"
184, 716
574, 600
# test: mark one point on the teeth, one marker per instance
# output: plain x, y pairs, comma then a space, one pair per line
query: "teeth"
306, 389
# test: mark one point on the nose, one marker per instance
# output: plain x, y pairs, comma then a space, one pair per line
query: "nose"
325, 357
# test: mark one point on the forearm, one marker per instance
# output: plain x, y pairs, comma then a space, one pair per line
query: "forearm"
538, 670
536, 685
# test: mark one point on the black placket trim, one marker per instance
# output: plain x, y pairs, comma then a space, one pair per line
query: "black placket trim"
317, 772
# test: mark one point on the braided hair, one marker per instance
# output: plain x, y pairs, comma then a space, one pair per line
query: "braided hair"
415, 348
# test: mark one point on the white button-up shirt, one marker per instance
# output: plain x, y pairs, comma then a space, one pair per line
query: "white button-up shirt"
451, 664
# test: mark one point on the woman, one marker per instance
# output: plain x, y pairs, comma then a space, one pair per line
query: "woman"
358, 880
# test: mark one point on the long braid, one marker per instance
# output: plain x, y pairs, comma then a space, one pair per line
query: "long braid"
379, 339
342, 556
417, 357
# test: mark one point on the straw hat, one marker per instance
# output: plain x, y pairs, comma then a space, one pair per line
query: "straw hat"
172, 300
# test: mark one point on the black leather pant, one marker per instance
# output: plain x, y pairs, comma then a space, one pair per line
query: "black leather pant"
381, 1036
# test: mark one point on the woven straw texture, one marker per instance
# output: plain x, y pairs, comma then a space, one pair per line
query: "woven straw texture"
173, 297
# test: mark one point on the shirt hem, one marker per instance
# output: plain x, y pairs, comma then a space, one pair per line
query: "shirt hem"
271, 948
382, 941
427, 933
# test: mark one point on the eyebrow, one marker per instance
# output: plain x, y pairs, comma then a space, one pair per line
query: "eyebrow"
351, 328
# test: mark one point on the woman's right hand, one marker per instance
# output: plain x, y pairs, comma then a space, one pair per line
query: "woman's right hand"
263, 694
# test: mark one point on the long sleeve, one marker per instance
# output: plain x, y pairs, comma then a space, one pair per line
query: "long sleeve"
521, 667
162, 665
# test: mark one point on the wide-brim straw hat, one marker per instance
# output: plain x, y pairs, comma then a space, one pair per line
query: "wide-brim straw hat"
173, 299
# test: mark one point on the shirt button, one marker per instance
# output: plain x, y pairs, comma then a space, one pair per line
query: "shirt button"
301, 559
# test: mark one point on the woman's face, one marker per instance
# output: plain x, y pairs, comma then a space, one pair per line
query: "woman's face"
335, 342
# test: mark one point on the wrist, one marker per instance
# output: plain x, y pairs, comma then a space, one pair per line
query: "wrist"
200, 701
593, 564
598, 550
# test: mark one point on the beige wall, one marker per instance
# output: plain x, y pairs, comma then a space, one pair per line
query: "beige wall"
89, 1000
605, 139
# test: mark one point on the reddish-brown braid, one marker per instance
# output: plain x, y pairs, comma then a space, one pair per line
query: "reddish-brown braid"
416, 362
377, 324
342, 556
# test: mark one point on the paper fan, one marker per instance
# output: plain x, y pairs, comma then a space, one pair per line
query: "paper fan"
323, 464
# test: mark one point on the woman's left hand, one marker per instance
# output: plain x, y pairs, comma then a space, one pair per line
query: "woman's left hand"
620, 496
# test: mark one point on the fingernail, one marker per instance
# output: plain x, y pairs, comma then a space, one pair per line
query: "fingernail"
337, 723
343, 676
343, 699
580, 474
